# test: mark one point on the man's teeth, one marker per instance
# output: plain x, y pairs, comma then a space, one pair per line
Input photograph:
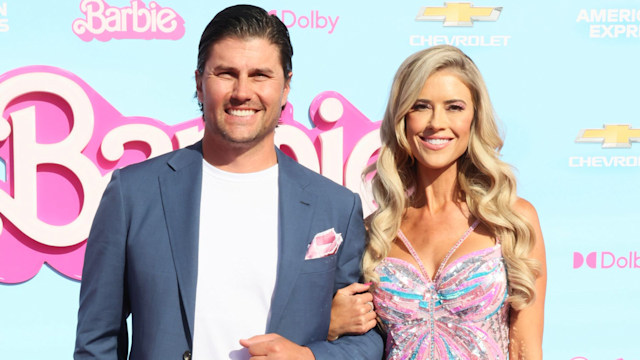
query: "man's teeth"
241, 112
437, 141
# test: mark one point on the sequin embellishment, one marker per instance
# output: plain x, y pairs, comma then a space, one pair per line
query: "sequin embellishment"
461, 314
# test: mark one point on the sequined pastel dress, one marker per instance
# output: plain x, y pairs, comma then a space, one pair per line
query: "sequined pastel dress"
460, 314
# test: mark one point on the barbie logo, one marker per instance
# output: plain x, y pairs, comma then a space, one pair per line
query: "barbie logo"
104, 22
60, 141
607, 260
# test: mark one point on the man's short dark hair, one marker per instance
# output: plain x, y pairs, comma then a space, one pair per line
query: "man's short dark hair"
243, 22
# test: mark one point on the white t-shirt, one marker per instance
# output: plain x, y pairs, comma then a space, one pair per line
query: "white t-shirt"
237, 260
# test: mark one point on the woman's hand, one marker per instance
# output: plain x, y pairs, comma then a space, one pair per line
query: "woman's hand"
352, 311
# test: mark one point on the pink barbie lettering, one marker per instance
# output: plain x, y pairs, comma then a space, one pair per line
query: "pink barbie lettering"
104, 22
60, 141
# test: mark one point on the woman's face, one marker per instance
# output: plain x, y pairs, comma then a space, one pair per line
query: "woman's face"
439, 122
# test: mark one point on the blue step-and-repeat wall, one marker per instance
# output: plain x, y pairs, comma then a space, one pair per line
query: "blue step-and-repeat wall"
88, 86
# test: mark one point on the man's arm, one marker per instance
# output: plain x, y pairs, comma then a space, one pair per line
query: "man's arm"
368, 345
102, 328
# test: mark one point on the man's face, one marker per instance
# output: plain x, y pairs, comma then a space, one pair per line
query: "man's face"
242, 90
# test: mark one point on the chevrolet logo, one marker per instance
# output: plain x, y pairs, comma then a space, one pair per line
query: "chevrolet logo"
611, 136
458, 14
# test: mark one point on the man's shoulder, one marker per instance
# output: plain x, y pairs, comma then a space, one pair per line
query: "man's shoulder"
313, 181
168, 162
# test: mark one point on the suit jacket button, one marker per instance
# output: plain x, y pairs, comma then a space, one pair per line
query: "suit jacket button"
186, 355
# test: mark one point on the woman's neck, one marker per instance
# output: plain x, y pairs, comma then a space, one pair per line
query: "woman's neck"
436, 189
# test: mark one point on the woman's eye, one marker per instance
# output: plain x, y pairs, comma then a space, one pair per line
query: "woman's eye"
420, 107
455, 107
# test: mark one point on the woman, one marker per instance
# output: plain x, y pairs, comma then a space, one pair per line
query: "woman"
457, 258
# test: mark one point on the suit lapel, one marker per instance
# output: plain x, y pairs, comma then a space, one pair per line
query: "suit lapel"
295, 211
180, 190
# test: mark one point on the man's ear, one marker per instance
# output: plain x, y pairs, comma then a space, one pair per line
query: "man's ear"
199, 86
287, 87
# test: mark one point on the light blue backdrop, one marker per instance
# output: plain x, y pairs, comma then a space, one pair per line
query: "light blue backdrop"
550, 80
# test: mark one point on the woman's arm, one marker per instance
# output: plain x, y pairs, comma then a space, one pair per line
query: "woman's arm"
351, 311
526, 325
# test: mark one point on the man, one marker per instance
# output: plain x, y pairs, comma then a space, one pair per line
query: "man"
226, 249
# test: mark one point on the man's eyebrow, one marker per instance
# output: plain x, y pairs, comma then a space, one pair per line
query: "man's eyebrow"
224, 68
267, 71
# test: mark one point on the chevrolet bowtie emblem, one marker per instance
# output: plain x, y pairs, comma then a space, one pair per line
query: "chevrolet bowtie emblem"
611, 136
458, 14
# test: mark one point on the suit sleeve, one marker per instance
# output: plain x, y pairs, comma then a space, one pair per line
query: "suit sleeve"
102, 328
368, 346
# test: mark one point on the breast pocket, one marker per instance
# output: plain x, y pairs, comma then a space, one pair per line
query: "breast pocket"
323, 264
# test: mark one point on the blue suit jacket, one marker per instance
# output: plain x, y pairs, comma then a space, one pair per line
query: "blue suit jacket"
142, 259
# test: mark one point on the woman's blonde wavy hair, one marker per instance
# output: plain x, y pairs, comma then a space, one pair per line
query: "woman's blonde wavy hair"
485, 182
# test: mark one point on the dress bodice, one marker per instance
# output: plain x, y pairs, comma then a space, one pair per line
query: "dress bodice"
460, 314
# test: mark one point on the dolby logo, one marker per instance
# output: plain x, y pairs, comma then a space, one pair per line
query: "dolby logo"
606, 260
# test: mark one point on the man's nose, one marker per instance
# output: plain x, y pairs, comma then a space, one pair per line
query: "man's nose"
242, 89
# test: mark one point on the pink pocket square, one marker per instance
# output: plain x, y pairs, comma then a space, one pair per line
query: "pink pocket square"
324, 244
